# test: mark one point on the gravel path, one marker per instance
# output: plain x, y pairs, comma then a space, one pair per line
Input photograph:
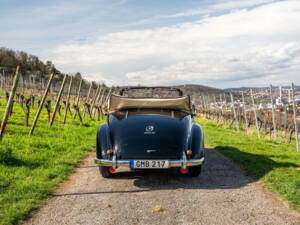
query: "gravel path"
221, 195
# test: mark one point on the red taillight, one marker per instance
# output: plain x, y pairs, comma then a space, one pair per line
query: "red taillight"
108, 152
183, 171
112, 170
189, 152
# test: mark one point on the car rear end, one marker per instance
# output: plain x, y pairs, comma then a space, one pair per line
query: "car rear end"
151, 137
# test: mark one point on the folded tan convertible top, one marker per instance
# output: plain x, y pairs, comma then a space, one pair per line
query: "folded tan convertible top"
120, 103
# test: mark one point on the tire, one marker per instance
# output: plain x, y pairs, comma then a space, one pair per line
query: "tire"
104, 171
195, 171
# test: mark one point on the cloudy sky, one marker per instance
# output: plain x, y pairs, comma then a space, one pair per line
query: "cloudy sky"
220, 43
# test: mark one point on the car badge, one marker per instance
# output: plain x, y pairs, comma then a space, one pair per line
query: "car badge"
149, 129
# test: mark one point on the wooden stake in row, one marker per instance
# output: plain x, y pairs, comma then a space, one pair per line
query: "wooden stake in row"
245, 112
58, 100
87, 100
234, 113
107, 97
295, 116
41, 105
94, 99
68, 100
77, 102
273, 113
97, 101
255, 113
10, 102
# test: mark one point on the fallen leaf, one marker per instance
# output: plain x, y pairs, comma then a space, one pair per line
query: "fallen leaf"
298, 169
180, 189
158, 208
108, 206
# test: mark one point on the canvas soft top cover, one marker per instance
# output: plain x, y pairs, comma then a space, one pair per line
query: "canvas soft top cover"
120, 103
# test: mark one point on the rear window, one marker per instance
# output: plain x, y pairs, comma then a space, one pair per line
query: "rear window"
151, 93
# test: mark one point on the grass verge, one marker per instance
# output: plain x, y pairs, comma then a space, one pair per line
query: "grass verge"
32, 166
277, 164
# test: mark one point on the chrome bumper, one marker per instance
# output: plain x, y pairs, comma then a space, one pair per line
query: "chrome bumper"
183, 163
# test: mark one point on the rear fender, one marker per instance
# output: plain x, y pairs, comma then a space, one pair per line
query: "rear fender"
196, 143
103, 141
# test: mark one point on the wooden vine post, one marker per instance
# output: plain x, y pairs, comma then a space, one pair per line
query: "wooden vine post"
255, 113
107, 97
225, 102
34, 86
68, 100
41, 105
101, 99
76, 105
77, 100
295, 116
222, 108
284, 119
216, 107
204, 106
234, 113
10, 102
273, 113
27, 111
225, 108
87, 100
97, 101
94, 99
202, 102
245, 112
101, 102
58, 100
208, 107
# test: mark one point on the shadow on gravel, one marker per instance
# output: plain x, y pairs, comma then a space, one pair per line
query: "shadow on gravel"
218, 172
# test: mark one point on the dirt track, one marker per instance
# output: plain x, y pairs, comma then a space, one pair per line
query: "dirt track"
221, 195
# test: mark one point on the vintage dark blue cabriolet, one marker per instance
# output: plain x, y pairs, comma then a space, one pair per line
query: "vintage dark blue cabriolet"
155, 131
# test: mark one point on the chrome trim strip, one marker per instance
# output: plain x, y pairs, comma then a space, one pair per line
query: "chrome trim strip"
114, 161
183, 163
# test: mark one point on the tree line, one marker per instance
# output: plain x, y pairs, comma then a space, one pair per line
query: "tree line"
31, 67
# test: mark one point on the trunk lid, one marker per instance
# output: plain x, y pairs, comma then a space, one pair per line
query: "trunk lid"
149, 136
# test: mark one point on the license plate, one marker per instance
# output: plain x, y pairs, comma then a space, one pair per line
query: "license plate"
149, 164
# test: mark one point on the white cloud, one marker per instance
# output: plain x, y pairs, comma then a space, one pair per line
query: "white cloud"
240, 48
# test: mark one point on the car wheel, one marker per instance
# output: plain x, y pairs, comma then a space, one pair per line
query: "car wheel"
104, 170
195, 171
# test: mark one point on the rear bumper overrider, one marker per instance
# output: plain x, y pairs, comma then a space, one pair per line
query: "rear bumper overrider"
182, 163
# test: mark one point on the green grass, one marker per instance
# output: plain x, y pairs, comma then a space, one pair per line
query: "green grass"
32, 166
273, 163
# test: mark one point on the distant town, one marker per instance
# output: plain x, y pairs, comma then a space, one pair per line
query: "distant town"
281, 95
